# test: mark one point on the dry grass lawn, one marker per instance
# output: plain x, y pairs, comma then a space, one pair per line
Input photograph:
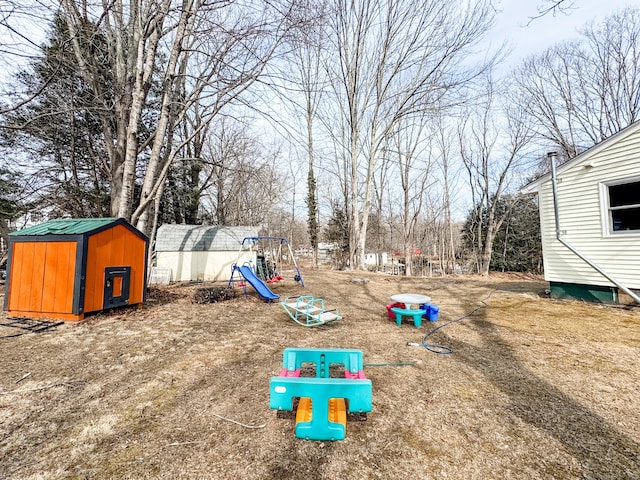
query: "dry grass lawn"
535, 388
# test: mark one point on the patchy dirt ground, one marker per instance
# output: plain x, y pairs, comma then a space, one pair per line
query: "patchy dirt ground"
535, 388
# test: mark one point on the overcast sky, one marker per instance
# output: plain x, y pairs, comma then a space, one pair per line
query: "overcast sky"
524, 40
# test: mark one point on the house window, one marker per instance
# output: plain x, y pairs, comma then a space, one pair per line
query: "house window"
624, 206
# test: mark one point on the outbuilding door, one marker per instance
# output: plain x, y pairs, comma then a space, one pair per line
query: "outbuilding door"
116, 286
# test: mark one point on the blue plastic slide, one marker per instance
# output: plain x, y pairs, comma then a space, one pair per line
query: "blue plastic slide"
261, 287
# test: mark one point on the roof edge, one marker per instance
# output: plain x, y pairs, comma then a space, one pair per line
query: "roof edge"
104, 224
534, 186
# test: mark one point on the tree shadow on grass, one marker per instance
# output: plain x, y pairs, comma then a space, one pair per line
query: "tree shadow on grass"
602, 451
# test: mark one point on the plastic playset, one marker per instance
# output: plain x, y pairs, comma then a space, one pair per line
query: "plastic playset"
323, 401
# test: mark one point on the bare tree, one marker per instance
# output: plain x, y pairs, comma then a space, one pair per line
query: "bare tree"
240, 180
382, 211
307, 78
581, 92
412, 157
224, 60
614, 64
21, 37
553, 7
132, 33
388, 68
491, 151
545, 93
201, 53
444, 142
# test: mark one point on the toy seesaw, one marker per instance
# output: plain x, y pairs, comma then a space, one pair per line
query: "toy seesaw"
308, 311
324, 401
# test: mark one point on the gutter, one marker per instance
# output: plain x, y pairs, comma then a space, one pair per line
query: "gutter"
552, 159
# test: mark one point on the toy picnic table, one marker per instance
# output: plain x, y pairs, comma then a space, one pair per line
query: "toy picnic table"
410, 298
403, 304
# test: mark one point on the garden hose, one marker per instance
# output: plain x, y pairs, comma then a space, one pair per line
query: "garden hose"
443, 349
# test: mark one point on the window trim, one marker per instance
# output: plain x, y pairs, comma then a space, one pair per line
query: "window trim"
606, 209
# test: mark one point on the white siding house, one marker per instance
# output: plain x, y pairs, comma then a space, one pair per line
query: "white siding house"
201, 253
598, 196
375, 259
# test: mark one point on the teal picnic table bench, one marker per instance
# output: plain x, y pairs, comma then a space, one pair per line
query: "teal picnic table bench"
415, 314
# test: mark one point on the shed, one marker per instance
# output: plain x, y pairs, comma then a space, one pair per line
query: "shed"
598, 204
66, 268
201, 253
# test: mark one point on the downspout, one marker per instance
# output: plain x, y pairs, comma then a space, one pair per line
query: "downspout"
552, 159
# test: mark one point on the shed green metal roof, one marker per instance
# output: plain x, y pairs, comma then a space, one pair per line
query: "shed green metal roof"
66, 226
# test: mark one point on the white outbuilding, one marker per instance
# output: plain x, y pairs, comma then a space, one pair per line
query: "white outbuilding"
201, 253
591, 233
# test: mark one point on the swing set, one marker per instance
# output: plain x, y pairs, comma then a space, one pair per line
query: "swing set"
274, 260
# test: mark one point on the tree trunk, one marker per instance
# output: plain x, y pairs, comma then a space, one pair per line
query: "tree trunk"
155, 173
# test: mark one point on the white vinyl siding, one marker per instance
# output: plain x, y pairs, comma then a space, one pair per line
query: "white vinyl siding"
583, 214
201, 266
202, 253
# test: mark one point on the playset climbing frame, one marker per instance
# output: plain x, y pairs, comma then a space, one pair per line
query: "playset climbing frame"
323, 401
274, 258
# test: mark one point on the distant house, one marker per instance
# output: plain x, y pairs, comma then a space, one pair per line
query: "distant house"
201, 253
598, 201
375, 259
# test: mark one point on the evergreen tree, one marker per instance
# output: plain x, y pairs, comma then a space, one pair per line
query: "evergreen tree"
58, 136
11, 206
312, 218
337, 233
517, 246
181, 196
